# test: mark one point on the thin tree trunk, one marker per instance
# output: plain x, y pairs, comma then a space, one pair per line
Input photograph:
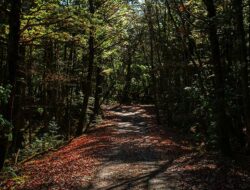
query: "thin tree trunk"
127, 86
82, 126
98, 91
152, 64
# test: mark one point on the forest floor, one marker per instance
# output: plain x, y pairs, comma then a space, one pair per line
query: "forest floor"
128, 150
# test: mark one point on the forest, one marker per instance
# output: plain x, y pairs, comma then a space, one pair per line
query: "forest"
99, 75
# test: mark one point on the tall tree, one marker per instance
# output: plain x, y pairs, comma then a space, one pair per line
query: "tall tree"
150, 22
13, 109
13, 61
220, 104
82, 126
242, 57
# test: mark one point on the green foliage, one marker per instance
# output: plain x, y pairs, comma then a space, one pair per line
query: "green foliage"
9, 171
4, 94
49, 140
5, 126
5, 129
40, 110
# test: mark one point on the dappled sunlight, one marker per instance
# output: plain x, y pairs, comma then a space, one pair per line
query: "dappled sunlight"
124, 94
127, 150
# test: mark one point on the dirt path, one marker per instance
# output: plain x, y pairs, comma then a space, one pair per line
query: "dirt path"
129, 151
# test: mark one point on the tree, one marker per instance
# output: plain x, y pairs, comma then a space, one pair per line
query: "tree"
220, 112
83, 117
242, 57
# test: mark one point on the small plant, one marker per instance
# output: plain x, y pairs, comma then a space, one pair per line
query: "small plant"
5, 126
49, 140
5, 129
9, 171
4, 94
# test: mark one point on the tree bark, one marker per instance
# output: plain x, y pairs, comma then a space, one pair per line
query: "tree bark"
127, 86
82, 126
219, 108
14, 104
13, 108
98, 91
242, 47
3, 152
152, 58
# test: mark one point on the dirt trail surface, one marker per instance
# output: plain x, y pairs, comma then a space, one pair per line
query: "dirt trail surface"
129, 151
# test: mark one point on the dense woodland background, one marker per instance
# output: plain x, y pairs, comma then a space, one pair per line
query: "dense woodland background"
61, 60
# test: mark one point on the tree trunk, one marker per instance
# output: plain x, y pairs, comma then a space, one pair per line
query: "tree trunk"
242, 47
14, 105
13, 108
82, 126
3, 152
220, 112
152, 64
98, 91
127, 86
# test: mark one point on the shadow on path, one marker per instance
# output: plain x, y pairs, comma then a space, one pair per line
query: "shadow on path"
129, 151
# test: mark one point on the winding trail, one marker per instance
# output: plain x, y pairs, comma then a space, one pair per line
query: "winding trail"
129, 151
